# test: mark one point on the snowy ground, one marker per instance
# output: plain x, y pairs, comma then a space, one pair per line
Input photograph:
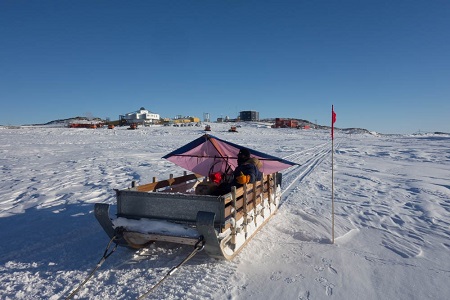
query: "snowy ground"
392, 222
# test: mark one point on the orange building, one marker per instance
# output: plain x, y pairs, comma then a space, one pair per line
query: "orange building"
285, 123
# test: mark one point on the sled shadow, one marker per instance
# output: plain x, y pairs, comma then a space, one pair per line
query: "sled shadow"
51, 238
67, 238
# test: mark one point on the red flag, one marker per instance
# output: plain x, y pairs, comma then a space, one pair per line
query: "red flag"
333, 120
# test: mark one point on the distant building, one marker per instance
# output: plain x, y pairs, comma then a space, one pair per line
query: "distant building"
142, 116
84, 123
285, 123
249, 115
188, 119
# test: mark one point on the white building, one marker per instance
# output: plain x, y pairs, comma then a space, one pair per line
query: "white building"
142, 116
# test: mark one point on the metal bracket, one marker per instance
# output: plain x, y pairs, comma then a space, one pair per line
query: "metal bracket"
205, 227
101, 211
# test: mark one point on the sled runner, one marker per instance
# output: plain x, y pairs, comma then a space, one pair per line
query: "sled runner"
188, 210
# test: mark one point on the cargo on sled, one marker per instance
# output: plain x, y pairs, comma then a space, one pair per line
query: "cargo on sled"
188, 209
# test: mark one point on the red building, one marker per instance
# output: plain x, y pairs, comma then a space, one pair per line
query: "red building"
285, 123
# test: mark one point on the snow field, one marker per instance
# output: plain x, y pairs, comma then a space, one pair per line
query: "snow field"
392, 221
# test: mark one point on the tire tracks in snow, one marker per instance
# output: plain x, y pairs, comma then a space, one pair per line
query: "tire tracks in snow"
308, 161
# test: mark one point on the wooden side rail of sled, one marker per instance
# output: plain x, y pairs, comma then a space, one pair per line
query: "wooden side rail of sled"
249, 198
156, 185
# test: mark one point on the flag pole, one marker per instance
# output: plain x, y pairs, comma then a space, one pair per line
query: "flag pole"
333, 119
332, 192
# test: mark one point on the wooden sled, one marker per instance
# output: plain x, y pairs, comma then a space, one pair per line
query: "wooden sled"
181, 210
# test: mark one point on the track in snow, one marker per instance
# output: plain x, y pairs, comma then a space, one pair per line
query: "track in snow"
308, 160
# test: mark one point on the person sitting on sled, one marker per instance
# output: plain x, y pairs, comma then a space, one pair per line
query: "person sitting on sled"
247, 170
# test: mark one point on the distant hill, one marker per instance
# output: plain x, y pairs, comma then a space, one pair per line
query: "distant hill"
65, 122
357, 131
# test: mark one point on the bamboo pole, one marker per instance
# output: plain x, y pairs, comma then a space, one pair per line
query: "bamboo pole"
333, 119
332, 191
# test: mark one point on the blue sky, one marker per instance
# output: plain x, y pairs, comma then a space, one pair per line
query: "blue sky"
385, 65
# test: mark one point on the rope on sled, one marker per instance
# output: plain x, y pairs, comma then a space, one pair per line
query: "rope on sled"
197, 248
106, 254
